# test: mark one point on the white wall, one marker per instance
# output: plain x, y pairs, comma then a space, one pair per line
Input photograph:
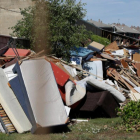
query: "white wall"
8, 18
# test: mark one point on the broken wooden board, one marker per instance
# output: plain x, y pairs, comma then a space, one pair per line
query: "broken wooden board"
124, 63
138, 69
107, 56
112, 46
136, 57
130, 78
113, 73
95, 46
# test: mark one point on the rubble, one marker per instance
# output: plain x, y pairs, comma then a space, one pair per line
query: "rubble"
38, 92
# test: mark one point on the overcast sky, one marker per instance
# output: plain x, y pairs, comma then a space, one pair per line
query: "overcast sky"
114, 11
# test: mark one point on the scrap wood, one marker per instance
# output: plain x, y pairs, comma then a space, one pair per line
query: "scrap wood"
136, 95
134, 66
125, 64
112, 46
107, 56
128, 81
138, 69
36, 54
94, 59
132, 69
76, 67
95, 46
127, 75
98, 59
32, 55
136, 57
113, 73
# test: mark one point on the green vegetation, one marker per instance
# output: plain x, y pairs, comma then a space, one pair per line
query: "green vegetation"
95, 129
100, 39
130, 115
51, 25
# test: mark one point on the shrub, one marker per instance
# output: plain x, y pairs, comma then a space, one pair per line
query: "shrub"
131, 116
100, 40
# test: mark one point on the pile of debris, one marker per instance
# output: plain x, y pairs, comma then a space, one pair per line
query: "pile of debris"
38, 91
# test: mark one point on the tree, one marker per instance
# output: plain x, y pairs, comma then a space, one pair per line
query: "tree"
52, 24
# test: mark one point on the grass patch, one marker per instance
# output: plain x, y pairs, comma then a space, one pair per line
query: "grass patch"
94, 129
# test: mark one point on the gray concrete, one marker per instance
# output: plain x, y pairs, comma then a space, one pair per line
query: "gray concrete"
9, 18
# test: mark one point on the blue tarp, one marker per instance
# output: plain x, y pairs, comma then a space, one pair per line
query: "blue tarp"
81, 52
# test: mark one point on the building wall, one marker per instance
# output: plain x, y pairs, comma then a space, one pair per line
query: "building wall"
90, 27
9, 18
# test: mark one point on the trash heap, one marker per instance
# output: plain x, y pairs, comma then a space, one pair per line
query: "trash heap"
38, 92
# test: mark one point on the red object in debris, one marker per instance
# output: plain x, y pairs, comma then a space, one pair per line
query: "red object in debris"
60, 76
61, 79
21, 52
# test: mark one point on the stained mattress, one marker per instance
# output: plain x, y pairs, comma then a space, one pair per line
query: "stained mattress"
12, 106
43, 93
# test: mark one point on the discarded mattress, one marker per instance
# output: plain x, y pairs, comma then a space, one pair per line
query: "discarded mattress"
43, 93
95, 46
12, 106
81, 52
23, 91
101, 85
16, 87
21, 52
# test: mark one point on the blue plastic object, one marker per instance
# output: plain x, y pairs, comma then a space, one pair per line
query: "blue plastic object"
81, 52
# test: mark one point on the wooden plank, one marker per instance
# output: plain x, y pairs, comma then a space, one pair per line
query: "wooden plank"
134, 81
138, 69
136, 57
107, 56
112, 46
124, 64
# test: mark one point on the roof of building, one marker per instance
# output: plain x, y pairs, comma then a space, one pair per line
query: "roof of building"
137, 28
99, 24
124, 28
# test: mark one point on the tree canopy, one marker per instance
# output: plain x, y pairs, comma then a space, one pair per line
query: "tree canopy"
52, 25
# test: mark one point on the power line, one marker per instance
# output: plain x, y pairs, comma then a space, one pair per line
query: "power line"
9, 10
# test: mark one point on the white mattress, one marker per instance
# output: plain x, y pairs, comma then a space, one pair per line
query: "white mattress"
12, 106
43, 93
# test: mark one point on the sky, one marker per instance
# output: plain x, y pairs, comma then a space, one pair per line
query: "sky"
113, 11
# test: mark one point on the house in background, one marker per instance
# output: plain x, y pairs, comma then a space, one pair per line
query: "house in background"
125, 30
100, 24
137, 28
117, 28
